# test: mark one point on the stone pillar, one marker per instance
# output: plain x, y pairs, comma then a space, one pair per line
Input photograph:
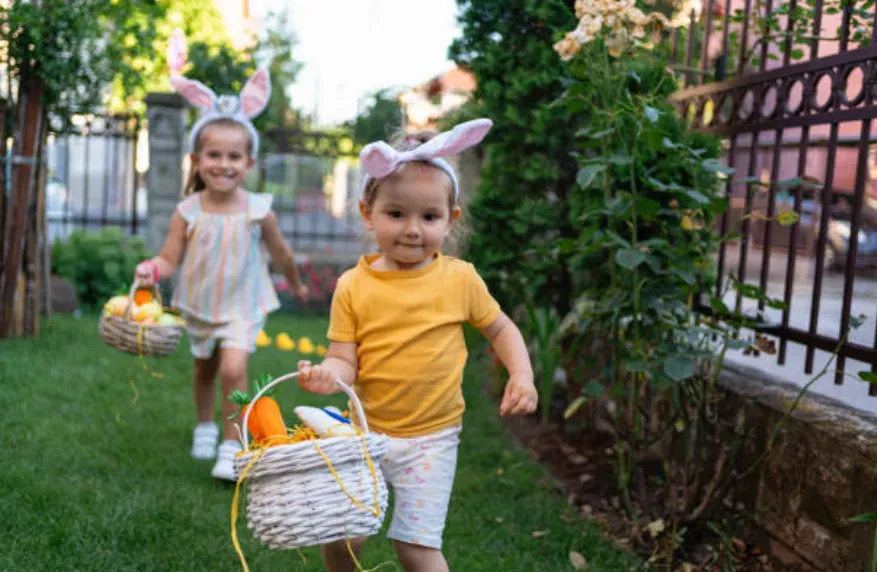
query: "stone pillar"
166, 114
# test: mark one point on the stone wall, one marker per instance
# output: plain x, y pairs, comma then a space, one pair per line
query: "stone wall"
821, 472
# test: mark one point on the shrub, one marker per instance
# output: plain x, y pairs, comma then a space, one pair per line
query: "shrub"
100, 264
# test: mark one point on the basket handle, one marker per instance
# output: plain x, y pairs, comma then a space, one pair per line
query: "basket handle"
136, 286
360, 415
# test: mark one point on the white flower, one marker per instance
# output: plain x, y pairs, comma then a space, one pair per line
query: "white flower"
621, 23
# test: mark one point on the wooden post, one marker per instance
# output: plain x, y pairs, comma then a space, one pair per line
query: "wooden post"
45, 245
33, 243
3, 203
24, 169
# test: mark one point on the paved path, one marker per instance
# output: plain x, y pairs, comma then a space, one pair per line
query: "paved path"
852, 392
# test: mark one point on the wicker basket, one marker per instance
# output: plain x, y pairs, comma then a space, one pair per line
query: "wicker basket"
294, 500
129, 336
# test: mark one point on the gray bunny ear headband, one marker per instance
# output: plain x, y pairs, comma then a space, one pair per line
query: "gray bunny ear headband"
241, 109
379, 159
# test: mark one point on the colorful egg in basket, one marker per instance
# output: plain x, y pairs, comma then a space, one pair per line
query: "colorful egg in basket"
146, 329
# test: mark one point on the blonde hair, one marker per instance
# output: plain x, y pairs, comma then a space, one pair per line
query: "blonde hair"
194, 182
457, 241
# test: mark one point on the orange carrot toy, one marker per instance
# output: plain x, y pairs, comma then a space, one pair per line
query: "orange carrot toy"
265, 422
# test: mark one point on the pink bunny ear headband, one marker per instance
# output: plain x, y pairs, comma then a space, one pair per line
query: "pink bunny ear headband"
252, 100
379, 159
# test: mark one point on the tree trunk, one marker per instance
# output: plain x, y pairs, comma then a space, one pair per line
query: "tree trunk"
33, 260
28, 130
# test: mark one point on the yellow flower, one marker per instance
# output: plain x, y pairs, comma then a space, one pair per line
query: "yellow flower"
306, 346
285, 343
262, 340
321, 350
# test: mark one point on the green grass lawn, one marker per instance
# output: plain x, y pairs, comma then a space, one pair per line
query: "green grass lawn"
97, 473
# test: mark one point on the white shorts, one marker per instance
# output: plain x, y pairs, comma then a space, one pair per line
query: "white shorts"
420, 471
203, 336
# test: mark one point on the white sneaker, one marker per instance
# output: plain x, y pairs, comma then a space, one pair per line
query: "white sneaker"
224, 467
204, 440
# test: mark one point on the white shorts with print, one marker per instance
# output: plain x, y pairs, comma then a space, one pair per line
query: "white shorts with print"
420, 472
204, 337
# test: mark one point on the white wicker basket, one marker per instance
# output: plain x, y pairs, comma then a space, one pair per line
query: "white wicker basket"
125, 334
294, 500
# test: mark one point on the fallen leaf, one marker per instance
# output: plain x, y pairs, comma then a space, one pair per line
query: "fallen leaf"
498, 519
540, 533
571, 499
656, 527
567, 450
586, 478
739, 545
500, 472
574, 406
687, 567
577, 560
765, 345
577, 459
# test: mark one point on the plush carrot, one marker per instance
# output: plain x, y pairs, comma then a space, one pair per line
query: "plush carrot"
265, 421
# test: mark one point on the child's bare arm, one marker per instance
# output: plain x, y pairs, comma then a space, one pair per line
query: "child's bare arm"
520, 396
282, 255
340, 363
164, 265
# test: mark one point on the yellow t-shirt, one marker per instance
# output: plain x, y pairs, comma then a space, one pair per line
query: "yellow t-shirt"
408, 330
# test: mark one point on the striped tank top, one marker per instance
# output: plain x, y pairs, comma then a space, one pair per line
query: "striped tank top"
224, 275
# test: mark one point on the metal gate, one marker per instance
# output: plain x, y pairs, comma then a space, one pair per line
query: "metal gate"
93, 180
799, 125
315, 178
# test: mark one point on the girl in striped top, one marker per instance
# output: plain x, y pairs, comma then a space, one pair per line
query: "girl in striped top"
220, 239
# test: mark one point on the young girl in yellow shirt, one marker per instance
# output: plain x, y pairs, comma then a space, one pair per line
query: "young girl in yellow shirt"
396, 335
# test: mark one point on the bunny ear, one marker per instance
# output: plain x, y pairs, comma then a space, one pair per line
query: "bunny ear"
195, 92
176, 52
255, 95
378, 159
451, 142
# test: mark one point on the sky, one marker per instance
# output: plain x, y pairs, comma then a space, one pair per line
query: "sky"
350, 48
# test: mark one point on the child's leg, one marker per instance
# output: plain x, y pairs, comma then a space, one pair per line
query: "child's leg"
204, 386
416, 558
206, 354
233, 373
421, 473
336, 555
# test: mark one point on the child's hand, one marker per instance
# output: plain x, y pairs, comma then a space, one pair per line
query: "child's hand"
315, 379
520, 397
146, 273
301, 292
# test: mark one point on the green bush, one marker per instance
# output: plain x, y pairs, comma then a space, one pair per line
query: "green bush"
100, 264
520, 206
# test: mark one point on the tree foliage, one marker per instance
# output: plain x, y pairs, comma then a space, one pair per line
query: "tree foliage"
381, 117
94, 54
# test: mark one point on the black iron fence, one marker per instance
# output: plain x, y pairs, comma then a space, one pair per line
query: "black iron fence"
93, 179
315, 180
798, 118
